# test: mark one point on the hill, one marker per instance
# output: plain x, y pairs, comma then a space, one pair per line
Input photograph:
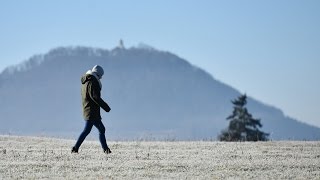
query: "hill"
152, 93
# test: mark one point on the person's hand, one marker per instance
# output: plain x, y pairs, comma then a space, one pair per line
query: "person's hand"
108, 110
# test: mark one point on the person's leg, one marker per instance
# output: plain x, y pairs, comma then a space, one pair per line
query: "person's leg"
99, 125
84, 134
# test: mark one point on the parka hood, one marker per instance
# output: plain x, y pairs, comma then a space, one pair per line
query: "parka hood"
86, 77
89, 76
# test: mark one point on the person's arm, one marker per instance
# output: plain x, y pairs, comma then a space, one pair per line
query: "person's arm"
95, 95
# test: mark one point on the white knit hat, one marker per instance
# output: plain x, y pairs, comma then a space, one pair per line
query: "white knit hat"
98, 70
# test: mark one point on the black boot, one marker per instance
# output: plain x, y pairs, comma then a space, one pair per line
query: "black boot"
107, 151
74, 150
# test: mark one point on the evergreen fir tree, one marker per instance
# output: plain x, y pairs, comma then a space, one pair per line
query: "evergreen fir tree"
242, 126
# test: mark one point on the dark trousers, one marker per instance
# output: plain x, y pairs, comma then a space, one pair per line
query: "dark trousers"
99, 125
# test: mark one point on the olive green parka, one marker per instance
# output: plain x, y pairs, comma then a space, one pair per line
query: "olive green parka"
91, 98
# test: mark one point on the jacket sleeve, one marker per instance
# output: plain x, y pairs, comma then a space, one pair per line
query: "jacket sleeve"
95, 95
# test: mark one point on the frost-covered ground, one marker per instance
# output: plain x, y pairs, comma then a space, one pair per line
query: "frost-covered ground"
48, 158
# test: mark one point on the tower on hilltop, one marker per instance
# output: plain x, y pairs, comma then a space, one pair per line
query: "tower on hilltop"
121, 45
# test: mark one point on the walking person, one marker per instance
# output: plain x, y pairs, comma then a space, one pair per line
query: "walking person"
91, 103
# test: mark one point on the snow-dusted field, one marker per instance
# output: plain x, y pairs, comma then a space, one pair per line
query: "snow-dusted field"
48, 158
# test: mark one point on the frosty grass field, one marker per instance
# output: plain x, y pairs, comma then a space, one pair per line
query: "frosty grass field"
49, 158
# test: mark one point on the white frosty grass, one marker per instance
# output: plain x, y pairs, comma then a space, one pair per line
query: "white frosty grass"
48, 158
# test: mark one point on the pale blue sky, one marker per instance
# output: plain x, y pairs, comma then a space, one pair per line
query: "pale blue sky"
268, 49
